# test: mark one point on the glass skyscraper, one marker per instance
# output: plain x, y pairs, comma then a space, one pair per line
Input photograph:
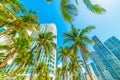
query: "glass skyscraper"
106, 62
114, 45
95, 72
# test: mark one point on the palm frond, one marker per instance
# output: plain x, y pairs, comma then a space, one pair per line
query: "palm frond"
87, 30
4, 47
69, 11
94, 8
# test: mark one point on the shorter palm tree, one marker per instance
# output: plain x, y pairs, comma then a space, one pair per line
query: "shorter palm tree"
42, 71
58, 74
64, 55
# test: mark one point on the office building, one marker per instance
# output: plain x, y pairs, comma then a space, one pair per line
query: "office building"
95, 73
107, 63
114, 45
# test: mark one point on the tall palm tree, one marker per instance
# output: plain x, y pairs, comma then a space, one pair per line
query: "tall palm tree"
80, 40
45, 41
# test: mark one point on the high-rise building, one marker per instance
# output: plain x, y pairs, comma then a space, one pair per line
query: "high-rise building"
101, 67
106, 61
114, 45
95, 73
51, 63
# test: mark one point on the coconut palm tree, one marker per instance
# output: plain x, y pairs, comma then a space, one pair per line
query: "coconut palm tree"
42, 71
64, 56
19, 45
58, 74
75, 67
45, 41
61, 73
79, 39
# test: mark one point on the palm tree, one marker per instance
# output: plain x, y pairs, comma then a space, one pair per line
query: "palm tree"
80, 40
58, 73
19, 45
44, 42
75, 67
42, 71
64, 56
61, 73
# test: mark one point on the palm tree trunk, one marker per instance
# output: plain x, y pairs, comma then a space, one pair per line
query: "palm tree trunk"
10, 56
38, 55
86, 68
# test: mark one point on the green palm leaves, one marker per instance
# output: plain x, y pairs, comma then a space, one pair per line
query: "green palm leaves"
69, 11
94, 8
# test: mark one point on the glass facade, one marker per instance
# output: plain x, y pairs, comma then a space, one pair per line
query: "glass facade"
108, 63
114, 45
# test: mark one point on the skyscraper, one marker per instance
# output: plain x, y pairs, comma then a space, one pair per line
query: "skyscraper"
114, 45
104, 72
107, 63
95, 72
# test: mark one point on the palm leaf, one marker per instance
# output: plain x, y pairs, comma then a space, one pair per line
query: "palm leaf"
94, 8
69, 11
87, 30
4, 47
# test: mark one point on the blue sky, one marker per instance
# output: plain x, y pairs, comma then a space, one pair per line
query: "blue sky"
107, 25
